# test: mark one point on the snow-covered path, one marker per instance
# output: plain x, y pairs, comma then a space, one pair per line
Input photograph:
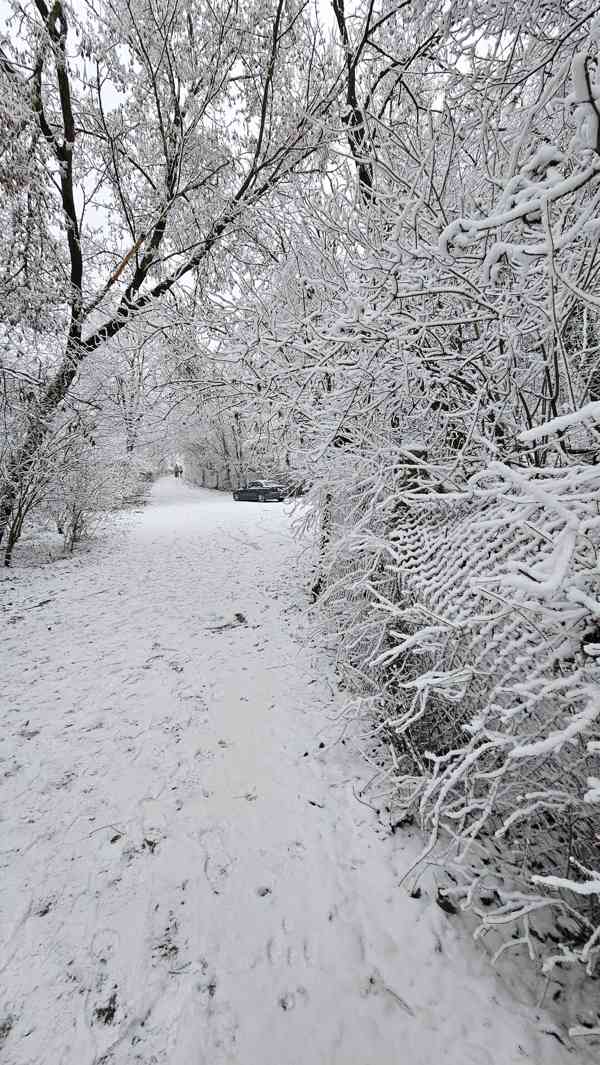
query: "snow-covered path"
180, 884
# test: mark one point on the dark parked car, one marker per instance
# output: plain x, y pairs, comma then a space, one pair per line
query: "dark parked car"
261, 492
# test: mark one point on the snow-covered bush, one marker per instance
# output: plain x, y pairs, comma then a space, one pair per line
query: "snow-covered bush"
467, 626
92, 480
82, 494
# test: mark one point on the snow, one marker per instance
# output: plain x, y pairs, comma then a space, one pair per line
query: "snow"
186, 875
581, 887
588, 414
585, 115
578, 723
546, 578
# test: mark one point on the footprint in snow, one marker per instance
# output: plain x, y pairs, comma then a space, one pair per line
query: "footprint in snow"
288, 1000
284, 950
217, 863
296, 849
223, 1026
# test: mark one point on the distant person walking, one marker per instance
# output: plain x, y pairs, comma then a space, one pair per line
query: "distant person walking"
177, 470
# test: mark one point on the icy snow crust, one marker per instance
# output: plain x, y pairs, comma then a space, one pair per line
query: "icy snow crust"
179, 883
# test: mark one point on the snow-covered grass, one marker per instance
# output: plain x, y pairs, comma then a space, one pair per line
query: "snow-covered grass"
186, 874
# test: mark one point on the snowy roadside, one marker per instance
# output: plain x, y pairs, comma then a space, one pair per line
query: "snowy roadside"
180, 882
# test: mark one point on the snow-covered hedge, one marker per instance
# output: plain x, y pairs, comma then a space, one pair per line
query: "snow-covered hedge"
468, 630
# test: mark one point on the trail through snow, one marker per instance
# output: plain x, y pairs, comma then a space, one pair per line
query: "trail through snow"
179, 883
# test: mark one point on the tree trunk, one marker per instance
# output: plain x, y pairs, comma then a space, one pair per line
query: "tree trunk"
20, 461
326, 520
